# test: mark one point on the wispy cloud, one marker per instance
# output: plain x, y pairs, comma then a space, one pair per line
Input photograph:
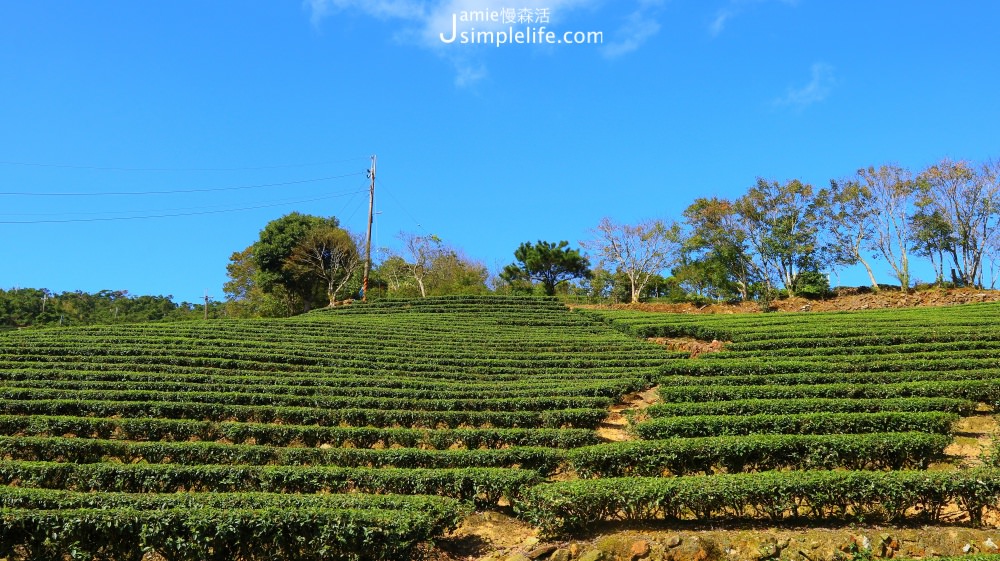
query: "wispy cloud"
819, 88
719, 23
639, 26
424, 22
736, 7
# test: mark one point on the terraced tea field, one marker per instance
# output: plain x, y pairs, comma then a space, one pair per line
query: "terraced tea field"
830, 417
355, 433
366, 431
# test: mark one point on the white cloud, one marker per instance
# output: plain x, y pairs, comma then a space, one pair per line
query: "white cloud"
818, 88
735, 8
719, 23
639, 26
425, 20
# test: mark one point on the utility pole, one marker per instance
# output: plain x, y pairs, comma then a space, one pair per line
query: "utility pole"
368, 243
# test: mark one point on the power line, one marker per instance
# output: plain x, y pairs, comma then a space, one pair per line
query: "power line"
401, 205
179, 191
174, 215
140, 211
115, 168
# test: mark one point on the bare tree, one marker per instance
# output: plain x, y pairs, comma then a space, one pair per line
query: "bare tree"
330, 254
968, 199
640, 251
421, 251
893, 192
850, 216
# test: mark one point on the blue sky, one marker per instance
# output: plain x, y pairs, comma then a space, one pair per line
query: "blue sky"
210, 107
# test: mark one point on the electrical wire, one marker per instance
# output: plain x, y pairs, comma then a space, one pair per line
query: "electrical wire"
407, 212
143, 211
174, 215
179, 191
114, 168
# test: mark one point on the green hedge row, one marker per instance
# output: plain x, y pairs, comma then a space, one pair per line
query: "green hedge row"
147, 429
88, 451
210, 534
350, 384
559, 418
802, 423
720, 364
961, 407
324, 386
469, 404
485, 486
736, 454
558, 508
447, 513
987, 391
813, 378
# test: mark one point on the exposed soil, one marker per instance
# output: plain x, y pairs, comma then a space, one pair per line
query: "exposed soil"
694, 346
847, 299
615, 426
632, 543
973, 440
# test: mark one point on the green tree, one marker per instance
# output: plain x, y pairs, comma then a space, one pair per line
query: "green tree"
780, 223
246, 298
715, 258
451, 272
277, 241
548, 263
931, 236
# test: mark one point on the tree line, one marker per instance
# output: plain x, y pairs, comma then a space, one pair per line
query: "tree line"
776, 238
784, 235
25, 307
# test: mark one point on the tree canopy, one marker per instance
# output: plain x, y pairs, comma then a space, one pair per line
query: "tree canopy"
547, 263
297, 261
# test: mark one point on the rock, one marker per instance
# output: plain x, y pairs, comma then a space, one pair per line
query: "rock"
574, 550
990, 544
517, 557
529, 542
673, 541
540, 552
967, 548
865, 544
560, 555
639, 549
593, 555
784, 543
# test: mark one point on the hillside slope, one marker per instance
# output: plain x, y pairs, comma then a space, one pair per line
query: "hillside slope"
470, 400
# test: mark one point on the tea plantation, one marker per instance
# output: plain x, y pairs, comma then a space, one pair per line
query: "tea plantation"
352, 433
366, 431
